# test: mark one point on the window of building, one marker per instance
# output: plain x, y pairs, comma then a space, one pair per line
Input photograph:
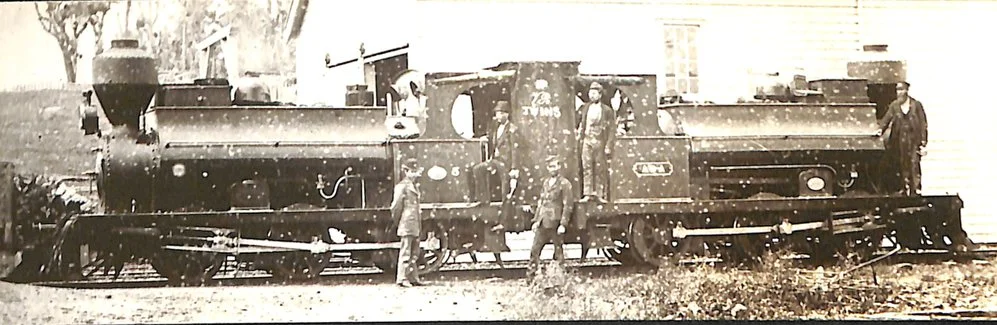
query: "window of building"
681, 70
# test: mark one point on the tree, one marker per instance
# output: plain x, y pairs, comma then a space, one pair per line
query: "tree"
170, 30
66, 21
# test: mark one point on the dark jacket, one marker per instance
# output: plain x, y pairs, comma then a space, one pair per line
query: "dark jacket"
916, 116
503, 147
607, 129
554, 205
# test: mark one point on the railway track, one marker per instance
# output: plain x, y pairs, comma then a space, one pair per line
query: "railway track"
144, 276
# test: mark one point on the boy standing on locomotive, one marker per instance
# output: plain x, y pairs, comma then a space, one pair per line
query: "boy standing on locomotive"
552, 214
906, 131
408, 219
596, 130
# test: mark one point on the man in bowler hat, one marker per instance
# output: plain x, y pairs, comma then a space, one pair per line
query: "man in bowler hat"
503, 139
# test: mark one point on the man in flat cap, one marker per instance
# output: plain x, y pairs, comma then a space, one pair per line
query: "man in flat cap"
905, 129
552, 215
408, 219
596, 131
503, 139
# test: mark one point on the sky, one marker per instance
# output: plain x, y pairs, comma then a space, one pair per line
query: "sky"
30, 56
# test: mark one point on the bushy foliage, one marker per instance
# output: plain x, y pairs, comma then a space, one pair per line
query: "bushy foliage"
773, 290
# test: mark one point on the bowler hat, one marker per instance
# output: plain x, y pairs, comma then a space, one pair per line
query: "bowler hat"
502, 106
595, 85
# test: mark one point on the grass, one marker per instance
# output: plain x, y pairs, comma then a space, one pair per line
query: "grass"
774, 290
40, 132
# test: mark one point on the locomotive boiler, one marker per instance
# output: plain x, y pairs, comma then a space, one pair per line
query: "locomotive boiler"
191, 175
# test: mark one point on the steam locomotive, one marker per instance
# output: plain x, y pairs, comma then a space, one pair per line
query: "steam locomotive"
199, 176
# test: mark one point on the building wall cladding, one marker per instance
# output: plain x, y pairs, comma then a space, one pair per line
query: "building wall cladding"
950, 67
735, 39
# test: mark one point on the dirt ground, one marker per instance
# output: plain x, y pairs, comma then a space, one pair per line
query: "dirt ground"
27, 304
940, 287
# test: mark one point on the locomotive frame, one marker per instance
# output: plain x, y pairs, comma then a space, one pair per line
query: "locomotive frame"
726, 180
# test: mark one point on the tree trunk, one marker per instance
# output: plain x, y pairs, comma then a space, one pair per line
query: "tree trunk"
69, 56
69, 61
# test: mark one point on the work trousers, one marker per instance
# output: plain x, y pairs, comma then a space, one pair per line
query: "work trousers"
594, 168
910, 174
540, 238
408, 257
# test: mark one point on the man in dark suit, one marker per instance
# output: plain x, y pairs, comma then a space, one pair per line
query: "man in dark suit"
553, 213
596, 130
905, 128
503, 139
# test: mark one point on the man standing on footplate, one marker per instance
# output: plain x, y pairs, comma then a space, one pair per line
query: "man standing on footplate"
905, 128
553, 213
596, 131
407, 218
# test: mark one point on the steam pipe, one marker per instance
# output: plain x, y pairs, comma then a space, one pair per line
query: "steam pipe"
335, 190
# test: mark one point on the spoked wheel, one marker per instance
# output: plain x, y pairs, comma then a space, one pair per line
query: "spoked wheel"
438, 252
300, 266
186, 268
746, 248
622, 252
297, 266
749, 248
430, 260
652, 241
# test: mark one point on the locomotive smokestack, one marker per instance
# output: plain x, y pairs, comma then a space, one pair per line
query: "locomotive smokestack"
125, 78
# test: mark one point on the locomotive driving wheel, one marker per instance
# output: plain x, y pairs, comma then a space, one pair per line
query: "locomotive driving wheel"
299, 266
749, 248
431, 258
186, 268
622, 252
652, 241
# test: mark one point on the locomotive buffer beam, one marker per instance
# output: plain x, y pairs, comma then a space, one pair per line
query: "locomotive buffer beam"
221, 244
840, 226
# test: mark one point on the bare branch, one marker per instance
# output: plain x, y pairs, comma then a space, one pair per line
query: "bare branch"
79, 29
45, 21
